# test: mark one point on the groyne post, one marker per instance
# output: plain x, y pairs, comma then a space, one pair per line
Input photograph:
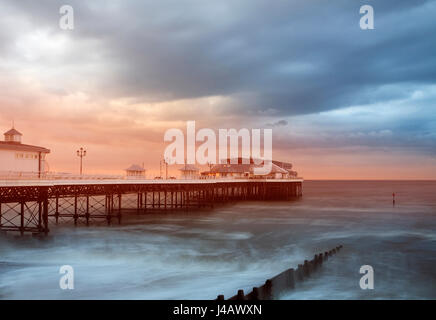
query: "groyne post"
284, 281
241, 295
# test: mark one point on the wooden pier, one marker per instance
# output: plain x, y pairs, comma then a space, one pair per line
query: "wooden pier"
29, 206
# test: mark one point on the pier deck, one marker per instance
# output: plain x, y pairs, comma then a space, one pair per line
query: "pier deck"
27, 206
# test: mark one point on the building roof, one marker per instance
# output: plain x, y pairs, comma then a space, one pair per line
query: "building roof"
276, 169
135, 167
239, 160
9, 145
284, 165
189, 167
11, 132
231, 168
243, 168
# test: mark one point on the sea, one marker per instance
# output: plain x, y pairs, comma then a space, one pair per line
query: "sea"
203, 253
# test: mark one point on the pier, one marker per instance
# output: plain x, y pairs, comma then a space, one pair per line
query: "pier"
30, 206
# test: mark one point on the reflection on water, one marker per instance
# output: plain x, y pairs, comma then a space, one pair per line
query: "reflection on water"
201, 254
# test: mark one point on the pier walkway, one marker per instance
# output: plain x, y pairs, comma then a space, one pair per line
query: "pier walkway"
29, 206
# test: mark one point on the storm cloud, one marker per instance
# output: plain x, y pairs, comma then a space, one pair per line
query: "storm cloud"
304, 68
294, 57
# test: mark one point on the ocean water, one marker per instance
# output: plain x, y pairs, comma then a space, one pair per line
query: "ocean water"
201, 254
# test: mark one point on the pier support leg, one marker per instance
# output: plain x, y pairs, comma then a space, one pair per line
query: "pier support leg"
109, 207
75, 216
57, 209
22, 219
119, 209
87, 215
45, 215
40, 215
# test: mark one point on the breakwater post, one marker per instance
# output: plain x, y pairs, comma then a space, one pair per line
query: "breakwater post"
286, 280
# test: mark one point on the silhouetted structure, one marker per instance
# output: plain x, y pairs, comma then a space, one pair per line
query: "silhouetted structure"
21, 159
244, 168
189, 171
135, 172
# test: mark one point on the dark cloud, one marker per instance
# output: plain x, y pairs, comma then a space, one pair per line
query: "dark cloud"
271, 60
293, 57
280, 123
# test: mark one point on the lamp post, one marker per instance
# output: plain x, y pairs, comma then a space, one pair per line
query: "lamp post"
166, 168
163, 163
160, 169
81, 153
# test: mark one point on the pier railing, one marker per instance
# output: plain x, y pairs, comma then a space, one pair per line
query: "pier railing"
17, 175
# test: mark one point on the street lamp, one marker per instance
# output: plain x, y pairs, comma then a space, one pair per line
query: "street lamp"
163, 162
166, 168
81, 153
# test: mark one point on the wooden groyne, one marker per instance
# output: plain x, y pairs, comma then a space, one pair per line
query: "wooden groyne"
286, 280
31, 206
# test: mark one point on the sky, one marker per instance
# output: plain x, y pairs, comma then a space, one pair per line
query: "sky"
343, 103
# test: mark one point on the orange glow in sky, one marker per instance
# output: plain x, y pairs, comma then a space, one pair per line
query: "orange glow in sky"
130, 71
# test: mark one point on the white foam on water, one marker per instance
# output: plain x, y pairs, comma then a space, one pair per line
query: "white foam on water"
206, 253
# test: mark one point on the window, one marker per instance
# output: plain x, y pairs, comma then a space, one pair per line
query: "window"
28, 156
